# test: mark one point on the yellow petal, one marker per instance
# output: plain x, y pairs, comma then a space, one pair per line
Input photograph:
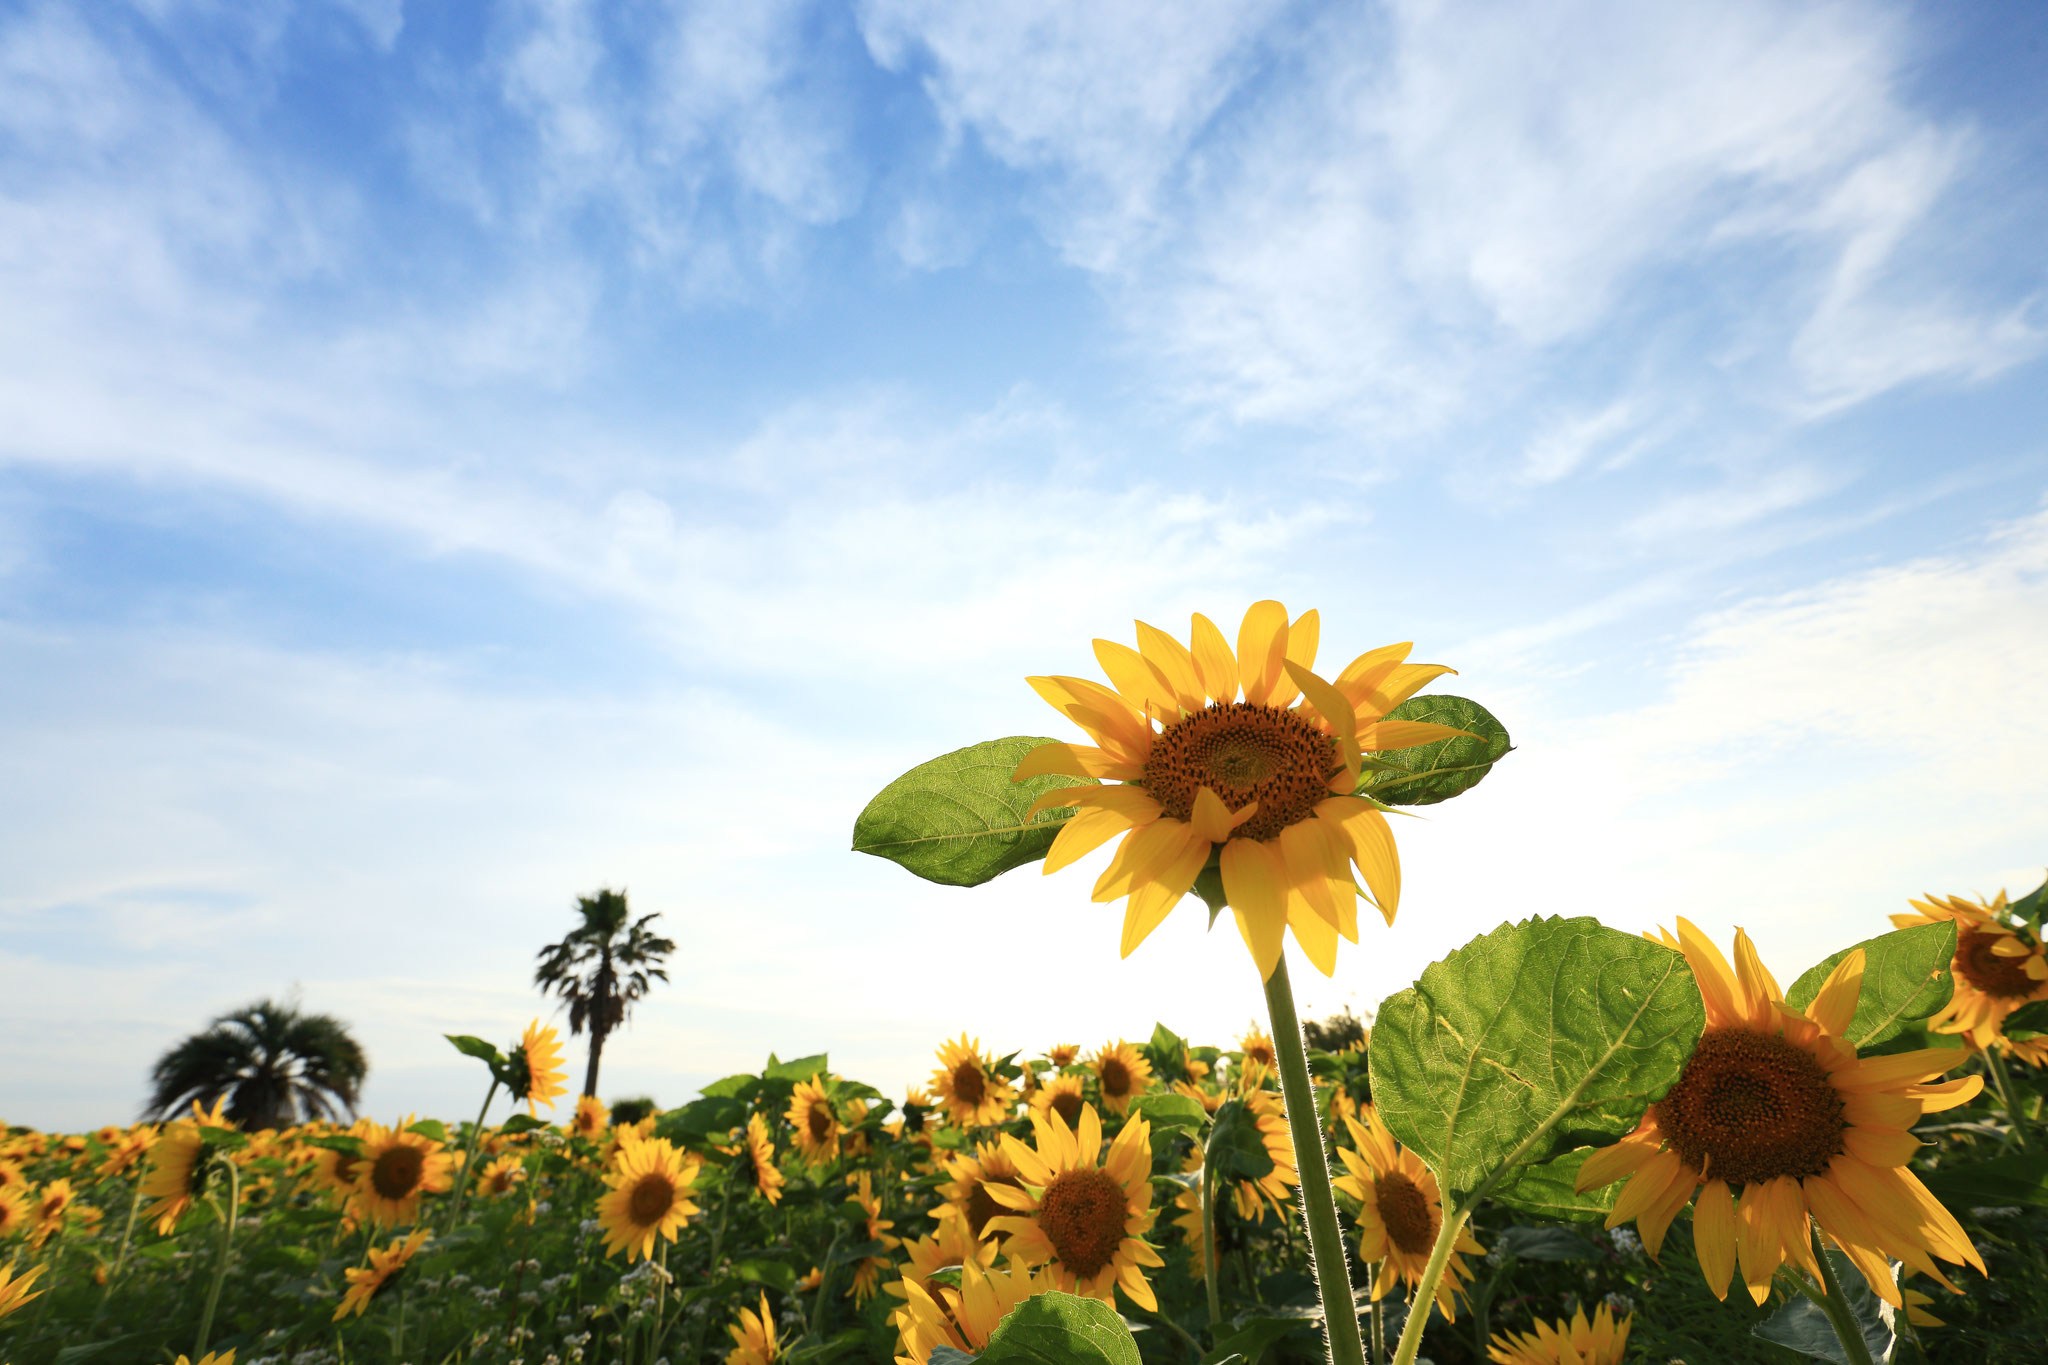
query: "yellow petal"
1380, 735
1213, 659
1261, 650
1082, 835
1253, 884
1713, 1235
1302, 637
1137, 679
1757, 984
1213, 820
1316, 935
1076, 760
1610, 1164
1109, 720
1327, 701
1149, 851
1716, 978
1880, 1146
1151, 901
1372, 847
1835, 1006
1175, 664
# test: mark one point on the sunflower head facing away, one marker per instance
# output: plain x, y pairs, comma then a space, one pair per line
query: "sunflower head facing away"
1776, 1124
1400, 1212
1602, 1341
538, 1060
1997, 967
650, 1194
174, 1175
968, 1086
1249, 757
386, 1265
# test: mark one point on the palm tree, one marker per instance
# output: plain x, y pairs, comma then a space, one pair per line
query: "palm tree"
275, 1066
601, 968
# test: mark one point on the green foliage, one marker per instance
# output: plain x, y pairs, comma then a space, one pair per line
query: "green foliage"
2017, 1178
1236, 1146
1536, 1030
958, 820
1545, 1189
1906, 977
1803, 1327
1430, 773
1061, 1329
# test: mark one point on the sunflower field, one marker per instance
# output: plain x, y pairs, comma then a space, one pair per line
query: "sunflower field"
1562, 1143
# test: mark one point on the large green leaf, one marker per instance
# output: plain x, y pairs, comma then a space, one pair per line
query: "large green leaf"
1430, 773
1164, 1109
1236, 1146
796, 1068
1547, 1189
959, 820
1061, 1329
2020, 1178
1803, 1327
1905, 977
1535, 1031
2028, 909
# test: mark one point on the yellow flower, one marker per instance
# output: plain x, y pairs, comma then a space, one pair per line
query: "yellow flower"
501, 1175
1063, 1095
755, 1337
1578, 1342
172, 1178
1996, 969
1270, 1189
1063, 1054
50, 1208
816, 1123
14, 1214
1266, 779
226, 1357
382, 1272
867, 1276
127, 1148
966, 1317
649, 1197
1122, 1074
967, 1188
14, 1290
590, 1117
1256, 1047
968, 1086
1084, 1222
397, 1170
1400, 1213
754, 1160
951, 1245
546, 1078
1778, 1104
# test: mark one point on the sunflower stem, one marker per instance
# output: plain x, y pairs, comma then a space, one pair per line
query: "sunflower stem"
121, 1256
1318, 1201
825, 1281
2001, 1081
476, 1132
1209, 1247
220, 1265
1835, 1304
1379, 1333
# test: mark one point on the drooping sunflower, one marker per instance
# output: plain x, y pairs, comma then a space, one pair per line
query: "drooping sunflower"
1084, 1222
1255, 759
650, 1195
590, 1118
172, 1178
967, 1084
754, 1160
1997, 968
967, 1188
1270, 1190
815, 1120
867, 1274
539, 1054
1121, 1074
754, 1339
1601, 1341
14, 1289
966, 1317
1400, 1213
383, 1272
398, 1169
501, 1176
1777, 1104
1062, 1094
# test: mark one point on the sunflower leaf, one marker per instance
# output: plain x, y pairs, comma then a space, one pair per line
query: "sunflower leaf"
1803, 1327
1534, 1032
1061, 1329
1164, 1109
1905, 977
1547, 1189
2017, 1178
1430, 773
959, 819
1237, 1149
471, 1046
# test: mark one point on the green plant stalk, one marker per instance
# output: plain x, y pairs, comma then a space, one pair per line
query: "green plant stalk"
476, 1132
220, 1266
825, 1281
1209, 1267
1379, 1333
2001, 1081
121, 1256
1835, 1304
1318, 1200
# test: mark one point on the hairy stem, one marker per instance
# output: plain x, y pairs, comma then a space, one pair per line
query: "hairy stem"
220, 1265
1209, 1266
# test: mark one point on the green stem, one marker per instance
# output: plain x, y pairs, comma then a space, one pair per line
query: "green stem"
1379, 1333
121, 1256
476, 1133
1835, 1304
1318, 1202
2001, 1081
824, 1282
220, 1266
1209, 1246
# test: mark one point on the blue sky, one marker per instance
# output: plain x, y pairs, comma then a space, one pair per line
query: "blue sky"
454, 457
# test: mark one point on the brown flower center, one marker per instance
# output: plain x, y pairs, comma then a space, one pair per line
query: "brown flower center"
1082, 1215
1404, 1208
820, 1120
968, 1085
397, 1170
1751, 1107
345, 1164
654, 1194
2003, 977
1259, 1051
1067, 1104
1244, 753
982, 1206
1115, 1077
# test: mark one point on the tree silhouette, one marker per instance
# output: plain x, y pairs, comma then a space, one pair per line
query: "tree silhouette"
601, 968
275, 1065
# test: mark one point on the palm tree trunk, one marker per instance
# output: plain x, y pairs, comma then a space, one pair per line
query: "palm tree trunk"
597, 1032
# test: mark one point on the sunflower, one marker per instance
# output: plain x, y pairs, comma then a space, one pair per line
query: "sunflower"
398, 1168
867, 1276
754, 1160
125, 1148
338, 1171
11, 1177
501, 1176
226, 1357
1777, 1104
1400, 1213
1084, 1222
14, 1291
1254, 1197
1210, 1097
1063, 1095
383, 1271
1257, 1047
951, 1245
1578, 1342
1266, 783
539, 1057
174, 1176
1122, 1074
969, 1184
967, 1085
1062, 1054
1996, 969
51, 1206
650, 1195
754, 1337
816, 1122
591, 1116
14, 1214
917, 1112
963, 1318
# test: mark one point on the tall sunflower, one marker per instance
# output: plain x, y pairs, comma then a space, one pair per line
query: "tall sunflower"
539, 1054
1082, 1213
1400, 1213
815, 1120
50, 1208
1063, 1054
1121, 1074
1997, 969
1064, 1094
963, 1318
754, 1339
1776, 1104
650, 1195
14, 1214
1255, 759
174, 1174
966, 1082
1256, 1048
1602, 1341
398, 1169
383, 1272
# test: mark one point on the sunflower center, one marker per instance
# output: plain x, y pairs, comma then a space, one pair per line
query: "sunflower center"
1082, 1215
968, 1085
1244, 753
653, 1196
2003, 977
397, 1170
1067, 1104
820, 1120
1404, 1208
1751, 1107
345, 1168
982, 1206
1115, 1077
1259, 1052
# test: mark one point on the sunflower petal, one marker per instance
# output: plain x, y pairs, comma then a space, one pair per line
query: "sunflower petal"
1076, 760
1835, 1006
1372, 847
1175, 664
1380, 735
1138, 680
1261, 650
1252, 883
1302, 638
1326, 701
1082, 835
1151, 902
1213, 659
1713, 1235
